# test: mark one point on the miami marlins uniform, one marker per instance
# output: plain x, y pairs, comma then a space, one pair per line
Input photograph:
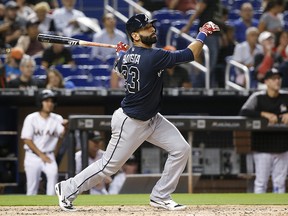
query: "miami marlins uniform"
45, 134
270, 149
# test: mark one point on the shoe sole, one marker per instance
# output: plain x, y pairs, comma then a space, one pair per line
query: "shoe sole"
58, 193
156, 205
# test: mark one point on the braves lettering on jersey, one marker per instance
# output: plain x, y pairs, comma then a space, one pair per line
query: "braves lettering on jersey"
143, 72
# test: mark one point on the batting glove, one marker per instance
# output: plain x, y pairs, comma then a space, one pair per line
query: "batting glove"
207, 29
121, 48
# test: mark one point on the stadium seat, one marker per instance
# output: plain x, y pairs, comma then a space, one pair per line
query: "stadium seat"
167, 14
100, 70
40, 71
83, 36
233, 14
110, 61
178, 41
81, 80
162, 29
3, 58
68, 70
257, 4
189, 13
80, 50
84, 60
257, 14
38, 60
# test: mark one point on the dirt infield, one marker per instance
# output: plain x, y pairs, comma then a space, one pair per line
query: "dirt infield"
195, 210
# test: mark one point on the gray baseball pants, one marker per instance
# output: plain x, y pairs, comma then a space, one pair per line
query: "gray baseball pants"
127, 135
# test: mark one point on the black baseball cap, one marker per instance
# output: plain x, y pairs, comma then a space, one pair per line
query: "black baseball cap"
11, 5
132, 159
94, 136
137, 22
271, 72
32, 22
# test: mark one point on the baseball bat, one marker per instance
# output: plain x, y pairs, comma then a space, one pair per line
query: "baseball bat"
48, 38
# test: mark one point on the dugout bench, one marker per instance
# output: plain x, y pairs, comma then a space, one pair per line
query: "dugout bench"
241, 127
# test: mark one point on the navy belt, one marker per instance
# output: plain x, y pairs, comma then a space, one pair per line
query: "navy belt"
29, 150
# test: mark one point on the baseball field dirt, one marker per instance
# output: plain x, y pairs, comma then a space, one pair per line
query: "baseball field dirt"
142, 210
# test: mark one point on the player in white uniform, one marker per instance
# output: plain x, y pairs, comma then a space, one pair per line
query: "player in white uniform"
41, 133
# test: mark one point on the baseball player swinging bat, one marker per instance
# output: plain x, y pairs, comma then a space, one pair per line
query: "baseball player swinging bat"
47, 38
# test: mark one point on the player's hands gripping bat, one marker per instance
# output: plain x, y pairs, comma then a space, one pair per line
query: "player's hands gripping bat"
209, 27
121, 48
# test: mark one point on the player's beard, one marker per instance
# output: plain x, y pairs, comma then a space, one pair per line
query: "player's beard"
149, 40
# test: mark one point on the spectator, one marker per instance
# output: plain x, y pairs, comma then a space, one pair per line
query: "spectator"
95, 143
52, 3
26, 79
270, 149
11, 28
151, 5
281, 43
65, 19
181, 5
55, 80
227, 46
130, 167
42, 134
57, 54
283, 69
110, 35
245, 52
270, 20
29, 42
24, 10
2, 12
176, 76
268, 59
10, 69
42, 13
208, 11
245, 21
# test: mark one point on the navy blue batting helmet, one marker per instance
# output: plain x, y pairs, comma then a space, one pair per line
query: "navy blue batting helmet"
45, 94
137, 22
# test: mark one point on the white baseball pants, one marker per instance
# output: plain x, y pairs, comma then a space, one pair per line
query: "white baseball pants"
274, 164
33, 166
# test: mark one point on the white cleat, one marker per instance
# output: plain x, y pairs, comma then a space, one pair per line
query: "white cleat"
168, 204
64, 203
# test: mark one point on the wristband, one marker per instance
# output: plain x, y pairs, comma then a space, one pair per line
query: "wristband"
201, 37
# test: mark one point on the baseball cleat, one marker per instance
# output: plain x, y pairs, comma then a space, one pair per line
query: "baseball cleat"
168, 204
64, 203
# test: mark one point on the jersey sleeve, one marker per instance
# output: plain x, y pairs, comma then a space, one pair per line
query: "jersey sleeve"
27, 129
167, 59
60, 127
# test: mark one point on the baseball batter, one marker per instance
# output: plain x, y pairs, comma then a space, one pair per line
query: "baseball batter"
40, 134
139, 119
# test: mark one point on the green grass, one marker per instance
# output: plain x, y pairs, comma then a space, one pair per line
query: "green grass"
143, 199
